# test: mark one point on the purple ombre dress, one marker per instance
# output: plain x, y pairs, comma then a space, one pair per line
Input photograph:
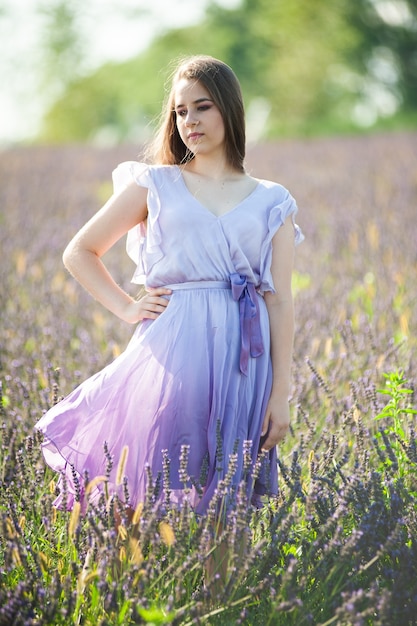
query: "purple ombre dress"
200, 374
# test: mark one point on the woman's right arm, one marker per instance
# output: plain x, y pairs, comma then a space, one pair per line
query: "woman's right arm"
82, 256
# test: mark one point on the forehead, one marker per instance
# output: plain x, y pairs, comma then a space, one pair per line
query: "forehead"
187, 91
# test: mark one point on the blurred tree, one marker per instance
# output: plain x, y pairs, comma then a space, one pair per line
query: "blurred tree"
387, 47
63, 45
304, 67
119, 101
283, 52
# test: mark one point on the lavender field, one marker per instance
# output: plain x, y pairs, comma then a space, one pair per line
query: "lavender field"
339, 544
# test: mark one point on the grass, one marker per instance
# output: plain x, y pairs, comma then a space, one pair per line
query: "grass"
338, 545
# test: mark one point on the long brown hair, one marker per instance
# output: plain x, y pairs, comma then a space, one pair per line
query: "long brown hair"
223, 86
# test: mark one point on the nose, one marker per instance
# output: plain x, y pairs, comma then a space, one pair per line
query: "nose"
190, 119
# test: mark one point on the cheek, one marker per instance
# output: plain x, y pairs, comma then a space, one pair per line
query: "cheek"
220, 124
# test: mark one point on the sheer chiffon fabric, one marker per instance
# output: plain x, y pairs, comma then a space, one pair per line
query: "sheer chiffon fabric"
198, 378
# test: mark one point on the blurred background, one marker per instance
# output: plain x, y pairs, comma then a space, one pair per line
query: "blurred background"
94, 71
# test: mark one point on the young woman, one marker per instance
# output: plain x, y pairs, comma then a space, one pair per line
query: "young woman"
208, 367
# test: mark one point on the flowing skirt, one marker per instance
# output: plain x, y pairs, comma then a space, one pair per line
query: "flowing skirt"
175, 398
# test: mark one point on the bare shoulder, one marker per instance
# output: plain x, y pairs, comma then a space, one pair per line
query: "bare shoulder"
249, 183
130, 204
268, 183
120, 213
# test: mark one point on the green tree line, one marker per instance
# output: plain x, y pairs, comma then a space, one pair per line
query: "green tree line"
305, 68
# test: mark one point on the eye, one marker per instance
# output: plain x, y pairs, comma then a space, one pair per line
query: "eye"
204, 107
181, 113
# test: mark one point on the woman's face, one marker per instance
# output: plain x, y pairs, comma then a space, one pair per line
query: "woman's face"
199, 121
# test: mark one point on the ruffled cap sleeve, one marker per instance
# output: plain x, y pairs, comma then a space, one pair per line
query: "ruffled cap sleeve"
276, 218
144, 240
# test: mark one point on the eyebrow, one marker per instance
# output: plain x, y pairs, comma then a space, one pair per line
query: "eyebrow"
178, 106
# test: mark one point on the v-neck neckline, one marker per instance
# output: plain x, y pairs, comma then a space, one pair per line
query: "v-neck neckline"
206, 209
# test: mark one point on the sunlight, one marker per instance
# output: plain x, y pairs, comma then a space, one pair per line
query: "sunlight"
394, 12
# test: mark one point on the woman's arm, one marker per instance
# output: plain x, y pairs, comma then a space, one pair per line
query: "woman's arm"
82, 256
281, 319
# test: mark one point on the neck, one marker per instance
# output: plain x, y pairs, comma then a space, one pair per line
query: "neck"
211, 168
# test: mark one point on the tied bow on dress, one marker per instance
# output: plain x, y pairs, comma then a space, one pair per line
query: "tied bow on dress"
250, 329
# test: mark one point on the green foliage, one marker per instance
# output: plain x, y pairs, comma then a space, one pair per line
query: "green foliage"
387, 47
306, 65
64, 46
395, 414
120, 101
338, 544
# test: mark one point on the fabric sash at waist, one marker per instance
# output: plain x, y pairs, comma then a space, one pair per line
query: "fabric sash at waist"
245, 294
200, 284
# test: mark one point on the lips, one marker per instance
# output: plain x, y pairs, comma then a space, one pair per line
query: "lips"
194, 136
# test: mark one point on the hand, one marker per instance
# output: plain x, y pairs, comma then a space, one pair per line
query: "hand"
150, 306
276, 423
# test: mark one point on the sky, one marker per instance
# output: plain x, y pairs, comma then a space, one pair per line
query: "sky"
115, 30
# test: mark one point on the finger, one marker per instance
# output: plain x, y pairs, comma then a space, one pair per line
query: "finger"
148, 315
152, 315
274, 438
159, 291
265, 425
150, 301
156, 302
269, 444
154, 307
